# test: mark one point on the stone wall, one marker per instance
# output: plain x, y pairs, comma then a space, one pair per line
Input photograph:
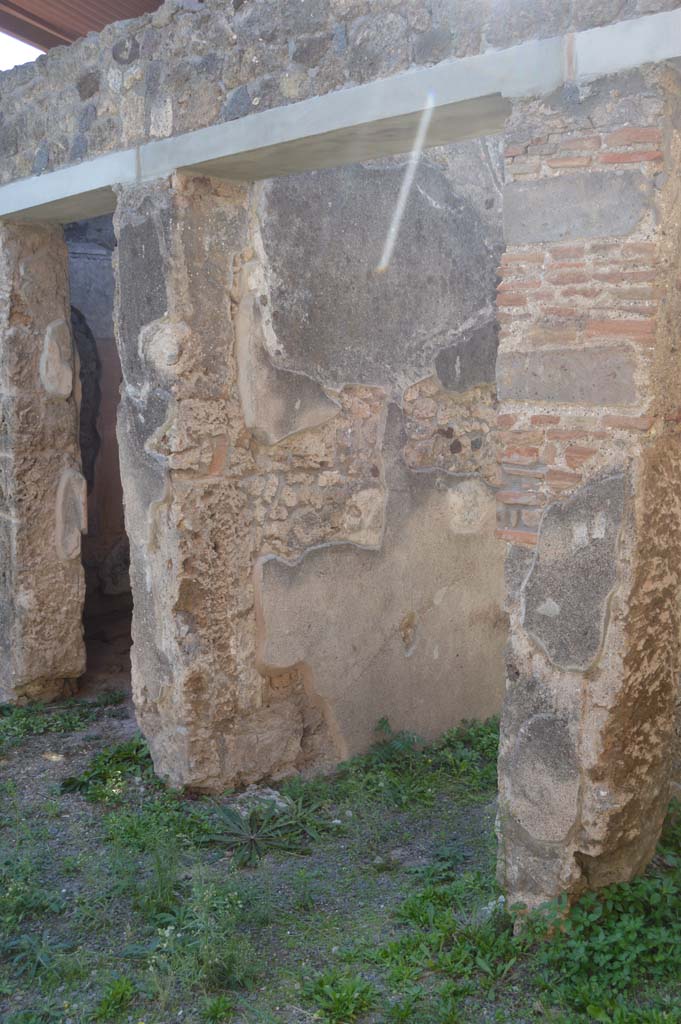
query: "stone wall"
42, 492
588, 309
308, 461
192, 64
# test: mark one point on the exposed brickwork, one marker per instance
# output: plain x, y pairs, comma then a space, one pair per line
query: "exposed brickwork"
560, 152
588, 459
577, 294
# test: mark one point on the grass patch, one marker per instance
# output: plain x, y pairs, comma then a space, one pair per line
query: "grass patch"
121, 901
17, 723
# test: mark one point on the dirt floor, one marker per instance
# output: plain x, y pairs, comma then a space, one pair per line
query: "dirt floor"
367, 896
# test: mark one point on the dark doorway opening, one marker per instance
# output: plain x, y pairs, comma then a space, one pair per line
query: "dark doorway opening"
107, 614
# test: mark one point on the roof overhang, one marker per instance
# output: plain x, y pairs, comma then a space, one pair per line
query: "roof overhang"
45, 23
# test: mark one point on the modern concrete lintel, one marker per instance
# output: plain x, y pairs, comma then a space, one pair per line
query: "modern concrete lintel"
453, 123
71, 193
628, 44
470, 97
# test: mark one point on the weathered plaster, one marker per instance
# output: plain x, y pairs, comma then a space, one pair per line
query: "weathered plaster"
413, 629
41, 488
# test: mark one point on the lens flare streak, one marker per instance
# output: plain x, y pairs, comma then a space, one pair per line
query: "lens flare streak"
407, 183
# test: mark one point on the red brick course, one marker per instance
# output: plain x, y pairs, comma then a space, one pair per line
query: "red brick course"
576, 293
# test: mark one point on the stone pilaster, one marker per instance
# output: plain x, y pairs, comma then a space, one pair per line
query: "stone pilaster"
42, 493
591, 467
184, 451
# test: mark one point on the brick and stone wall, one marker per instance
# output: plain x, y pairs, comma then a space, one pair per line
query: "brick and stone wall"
309, 461
589, 454
313, 452
193, 64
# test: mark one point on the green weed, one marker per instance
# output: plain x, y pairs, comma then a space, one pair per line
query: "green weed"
264, 828
138, 829
199, 942
400, 770
23, 896
219, 1010
116, 999
612, 941
157, 891
30, 955
106, 777
339, 997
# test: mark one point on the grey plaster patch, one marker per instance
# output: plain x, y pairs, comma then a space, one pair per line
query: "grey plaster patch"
542, 773
610, 203
517, 565
71, 514
593, 376
56, 360
339, 320
534, 869
141, 279
471, 360
275, 402
575, 570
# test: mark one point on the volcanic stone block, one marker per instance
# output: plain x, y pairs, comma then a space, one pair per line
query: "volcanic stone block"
589, 376
588, 205
543, 777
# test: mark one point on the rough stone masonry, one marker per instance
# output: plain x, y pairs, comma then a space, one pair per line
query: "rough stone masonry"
348, 493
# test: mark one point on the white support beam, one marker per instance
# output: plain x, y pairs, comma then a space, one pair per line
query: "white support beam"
471, 97
628, 44
71, 193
